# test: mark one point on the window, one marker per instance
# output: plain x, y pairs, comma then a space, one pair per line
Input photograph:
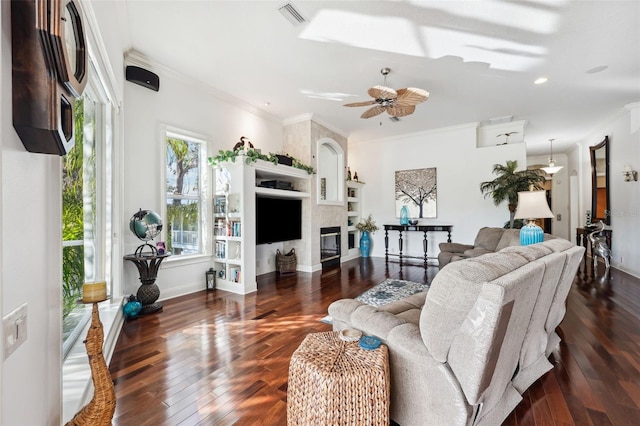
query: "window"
185, 195
85, 206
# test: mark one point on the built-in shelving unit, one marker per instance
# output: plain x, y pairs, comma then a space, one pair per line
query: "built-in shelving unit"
236, 187
354, 213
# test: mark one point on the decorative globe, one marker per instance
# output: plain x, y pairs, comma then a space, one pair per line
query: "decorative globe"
146, 224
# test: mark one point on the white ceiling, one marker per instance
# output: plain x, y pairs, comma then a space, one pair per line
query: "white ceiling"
478, 59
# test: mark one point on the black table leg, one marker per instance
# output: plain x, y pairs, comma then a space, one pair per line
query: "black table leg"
386, 245
425, 246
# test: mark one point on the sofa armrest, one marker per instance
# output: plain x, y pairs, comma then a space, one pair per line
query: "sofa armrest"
363, 317
455, 247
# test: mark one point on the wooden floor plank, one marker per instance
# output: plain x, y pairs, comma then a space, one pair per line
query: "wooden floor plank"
216, 358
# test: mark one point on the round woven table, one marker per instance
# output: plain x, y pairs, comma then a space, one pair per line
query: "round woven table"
333, 382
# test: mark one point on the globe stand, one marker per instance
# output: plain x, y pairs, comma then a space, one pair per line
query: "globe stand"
140, 250
146, 225
148, 265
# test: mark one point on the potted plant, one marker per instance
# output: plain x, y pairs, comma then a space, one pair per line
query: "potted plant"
508, 183
365, 227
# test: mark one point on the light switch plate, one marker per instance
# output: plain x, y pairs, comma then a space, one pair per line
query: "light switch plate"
15, 329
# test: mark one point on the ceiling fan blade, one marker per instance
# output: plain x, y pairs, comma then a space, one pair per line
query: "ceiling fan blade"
382, 92
372, 112
359, 104
411, 96
400, 111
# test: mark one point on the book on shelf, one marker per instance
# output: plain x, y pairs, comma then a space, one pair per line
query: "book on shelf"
235, 274
221, 249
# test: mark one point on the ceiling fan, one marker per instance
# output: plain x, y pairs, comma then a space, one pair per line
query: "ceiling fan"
397, 103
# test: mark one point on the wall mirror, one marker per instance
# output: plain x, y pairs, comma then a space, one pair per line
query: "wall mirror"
600, 202
330, 172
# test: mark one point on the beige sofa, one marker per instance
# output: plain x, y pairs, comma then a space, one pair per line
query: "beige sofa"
488, 240
464, 351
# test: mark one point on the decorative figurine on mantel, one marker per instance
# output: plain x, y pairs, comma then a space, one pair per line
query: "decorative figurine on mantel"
355, 177
244, 141
348, 173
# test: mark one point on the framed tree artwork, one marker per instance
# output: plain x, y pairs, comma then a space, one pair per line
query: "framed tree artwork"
417, 189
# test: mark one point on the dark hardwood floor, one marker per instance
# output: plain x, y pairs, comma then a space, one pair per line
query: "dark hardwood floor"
218, 358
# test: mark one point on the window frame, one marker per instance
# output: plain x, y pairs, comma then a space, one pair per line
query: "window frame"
204, 208
103, 145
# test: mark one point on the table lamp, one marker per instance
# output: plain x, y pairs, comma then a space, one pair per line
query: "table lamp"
532, 205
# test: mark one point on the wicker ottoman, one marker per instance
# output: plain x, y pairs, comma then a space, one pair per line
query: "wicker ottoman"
332, 382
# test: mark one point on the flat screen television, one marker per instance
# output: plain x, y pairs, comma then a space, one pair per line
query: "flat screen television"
278, 219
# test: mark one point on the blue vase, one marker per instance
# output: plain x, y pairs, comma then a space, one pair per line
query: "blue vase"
404, 216
365, 244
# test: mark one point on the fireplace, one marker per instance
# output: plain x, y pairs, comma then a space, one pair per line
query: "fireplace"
330, 246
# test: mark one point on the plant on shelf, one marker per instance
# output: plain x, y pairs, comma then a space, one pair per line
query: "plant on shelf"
508, 183
252, 155
224, 156
367, 225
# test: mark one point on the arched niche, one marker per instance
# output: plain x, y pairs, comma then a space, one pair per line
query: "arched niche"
330, 172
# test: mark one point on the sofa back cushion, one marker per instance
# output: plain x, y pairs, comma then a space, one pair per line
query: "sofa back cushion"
452, 294
574, 257
485, 350
488, 238
510, 237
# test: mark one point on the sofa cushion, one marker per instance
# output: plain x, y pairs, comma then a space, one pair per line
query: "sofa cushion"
530, 252
475, 252
454, 291
488, 238
510, 237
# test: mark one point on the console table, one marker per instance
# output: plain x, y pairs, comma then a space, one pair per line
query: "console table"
582, 238
408, 228
148, 293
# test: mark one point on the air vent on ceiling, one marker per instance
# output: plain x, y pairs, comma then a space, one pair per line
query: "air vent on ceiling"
292, 14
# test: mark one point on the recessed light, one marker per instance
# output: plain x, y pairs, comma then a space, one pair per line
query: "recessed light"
541, 80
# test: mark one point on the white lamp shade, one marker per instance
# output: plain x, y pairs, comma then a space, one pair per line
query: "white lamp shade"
533, 205
551, 169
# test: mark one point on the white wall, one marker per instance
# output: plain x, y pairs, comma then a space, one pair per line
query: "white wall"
188, 105
624, 148
461, 167
31, 268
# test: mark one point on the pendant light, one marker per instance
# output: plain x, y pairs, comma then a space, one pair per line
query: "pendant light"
551, 168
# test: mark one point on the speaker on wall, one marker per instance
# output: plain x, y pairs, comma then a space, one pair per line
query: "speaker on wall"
144, 78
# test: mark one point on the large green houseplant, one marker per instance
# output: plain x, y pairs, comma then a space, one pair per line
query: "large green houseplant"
509, 182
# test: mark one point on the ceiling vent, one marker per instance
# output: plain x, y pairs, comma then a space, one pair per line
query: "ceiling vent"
292, 14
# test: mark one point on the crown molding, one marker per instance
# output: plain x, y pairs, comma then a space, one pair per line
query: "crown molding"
133, 57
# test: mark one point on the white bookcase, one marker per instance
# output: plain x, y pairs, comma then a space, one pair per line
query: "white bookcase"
354, 214
236, 187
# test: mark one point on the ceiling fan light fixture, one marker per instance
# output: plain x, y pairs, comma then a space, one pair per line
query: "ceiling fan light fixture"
398, 103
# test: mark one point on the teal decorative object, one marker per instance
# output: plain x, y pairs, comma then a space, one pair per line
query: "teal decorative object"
132, 308
531, 234
404, 215
365, 244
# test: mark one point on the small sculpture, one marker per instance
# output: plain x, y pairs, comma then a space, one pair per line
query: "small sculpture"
600, 248
244, 141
